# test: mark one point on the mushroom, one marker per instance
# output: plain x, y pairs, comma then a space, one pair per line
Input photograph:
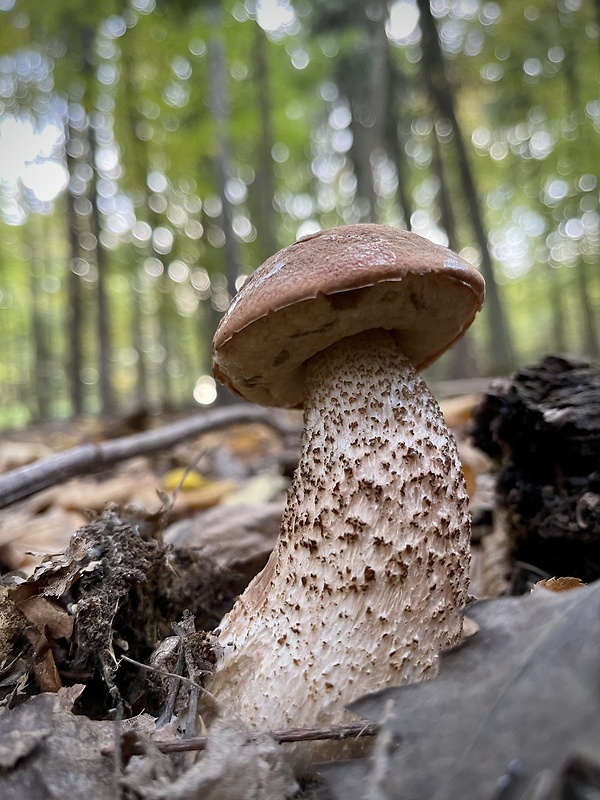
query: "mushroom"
366, 582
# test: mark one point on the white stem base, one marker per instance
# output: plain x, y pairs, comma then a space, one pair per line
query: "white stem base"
365, 584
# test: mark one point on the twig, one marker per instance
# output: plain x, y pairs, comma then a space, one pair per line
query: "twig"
174, 684
190, 725
354, 730
87, 458
163, 672
118, 761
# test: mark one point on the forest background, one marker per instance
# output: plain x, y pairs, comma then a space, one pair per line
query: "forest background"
154, 152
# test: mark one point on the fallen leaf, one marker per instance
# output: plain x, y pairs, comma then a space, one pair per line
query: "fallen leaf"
12, 622
209, 494
231, 768
47, 753
259, 489
182, 478
48, 616
17, 454
559, 584
230, 533
43, 533
23, 729
458, 410
517, 700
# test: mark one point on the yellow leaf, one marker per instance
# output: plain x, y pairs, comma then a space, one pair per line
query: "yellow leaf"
179, 478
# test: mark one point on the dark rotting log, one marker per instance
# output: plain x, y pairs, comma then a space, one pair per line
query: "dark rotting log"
542, 426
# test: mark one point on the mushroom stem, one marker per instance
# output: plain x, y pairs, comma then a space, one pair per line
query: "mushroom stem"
365, 585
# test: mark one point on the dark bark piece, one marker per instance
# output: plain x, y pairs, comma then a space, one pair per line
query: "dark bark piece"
543, 427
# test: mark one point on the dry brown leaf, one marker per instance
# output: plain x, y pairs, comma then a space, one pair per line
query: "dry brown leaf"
230, 534
47, 616
12, 623
560, 584
17, 454
211, 494
458, 411
43, 663
25, 541
88, 495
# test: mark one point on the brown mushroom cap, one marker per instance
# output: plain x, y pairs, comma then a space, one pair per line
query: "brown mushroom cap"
334, 284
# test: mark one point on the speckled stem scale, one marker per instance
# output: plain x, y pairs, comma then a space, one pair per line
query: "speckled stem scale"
370, 570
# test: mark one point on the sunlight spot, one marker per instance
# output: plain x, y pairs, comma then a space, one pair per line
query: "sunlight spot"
403, 21
205, 390
46, 179
274, 15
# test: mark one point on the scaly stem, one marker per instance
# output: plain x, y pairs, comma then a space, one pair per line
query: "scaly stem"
370, 570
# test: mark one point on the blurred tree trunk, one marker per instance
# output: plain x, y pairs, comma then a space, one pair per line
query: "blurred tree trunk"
373, 115
166, 332
360, 155
8, 356
589, 329
166, 336
362, 76
39, 327
556, 295
219, 103
107, 405
379, 77
395, 146
136, 161
461, 359
444, 194
591, 345
75, 338
265, 179
395, 138
500, 348
138, 339
368, 98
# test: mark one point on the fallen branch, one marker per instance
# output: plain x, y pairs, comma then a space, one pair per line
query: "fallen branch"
134, 746
87, 458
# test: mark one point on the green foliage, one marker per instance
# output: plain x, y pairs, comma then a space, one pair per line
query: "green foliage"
143, 76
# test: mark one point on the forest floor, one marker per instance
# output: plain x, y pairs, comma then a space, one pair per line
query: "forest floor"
112, 578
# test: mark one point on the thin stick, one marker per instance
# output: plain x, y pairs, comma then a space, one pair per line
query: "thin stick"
87, 458
174, 684
190, 725
163, 672
118, 750
351, 731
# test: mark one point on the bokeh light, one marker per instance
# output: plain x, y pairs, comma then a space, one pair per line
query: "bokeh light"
205, 390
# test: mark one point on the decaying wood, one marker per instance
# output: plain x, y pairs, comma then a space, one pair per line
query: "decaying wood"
87, 458
542, 427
